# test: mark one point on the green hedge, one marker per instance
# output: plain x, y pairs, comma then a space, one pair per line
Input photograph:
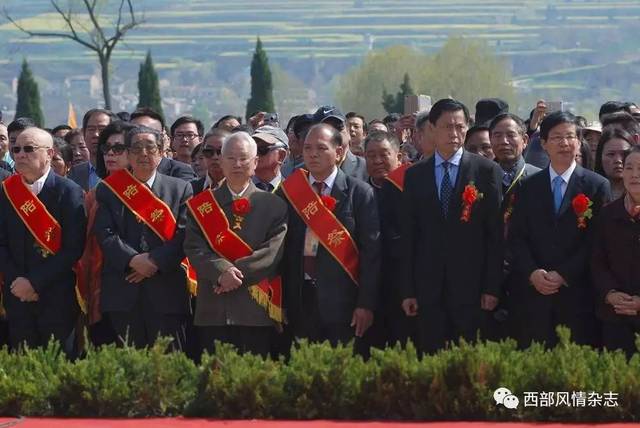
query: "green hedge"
317, 382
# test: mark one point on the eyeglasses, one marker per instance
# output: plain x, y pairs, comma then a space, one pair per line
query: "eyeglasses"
559, 138
152, 149
210, 151
117, 149
188, 137
27, 149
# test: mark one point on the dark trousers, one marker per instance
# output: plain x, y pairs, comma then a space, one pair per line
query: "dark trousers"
34, 324
246, 339
142, 326
441, 324
621, 335
311, 326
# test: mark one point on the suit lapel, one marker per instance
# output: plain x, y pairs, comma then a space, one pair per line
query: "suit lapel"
348, 165
431, 188
462, 179
573, 188
339, 189
546, 194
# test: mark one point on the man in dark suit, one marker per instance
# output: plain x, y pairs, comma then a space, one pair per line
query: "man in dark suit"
550, 238
40, 241
328, 296
350, 164
452, 234
93, 122
171, 167
508, 136
143, 285
212, 152
227, 308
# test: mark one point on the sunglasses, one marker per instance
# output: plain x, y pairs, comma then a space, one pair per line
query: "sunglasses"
210, 151
117, 149
27, 149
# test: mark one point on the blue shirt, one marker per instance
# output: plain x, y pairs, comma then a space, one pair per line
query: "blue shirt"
454, 165
93, 176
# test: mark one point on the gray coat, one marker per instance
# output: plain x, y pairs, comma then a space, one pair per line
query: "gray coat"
263, 229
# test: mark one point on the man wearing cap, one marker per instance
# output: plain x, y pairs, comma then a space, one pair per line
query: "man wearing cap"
350, 164
42, 230
273, 146
591, 134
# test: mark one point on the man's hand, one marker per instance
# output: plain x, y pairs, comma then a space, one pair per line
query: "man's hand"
556, 278
543, 284
143, 265
229, 280
488, 302
135, 277
410, 306
257, 120
538, 114
21, 288
362, 320
623, 303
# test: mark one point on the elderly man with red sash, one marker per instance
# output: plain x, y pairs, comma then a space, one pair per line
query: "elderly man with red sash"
333, 245
234, 240
140, 229
42, 229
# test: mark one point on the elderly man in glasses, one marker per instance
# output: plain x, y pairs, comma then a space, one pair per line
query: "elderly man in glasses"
273, 147
42, 230
211, 151
140, 229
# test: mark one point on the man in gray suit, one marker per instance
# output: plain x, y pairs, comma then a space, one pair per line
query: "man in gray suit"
228, 308
143, 285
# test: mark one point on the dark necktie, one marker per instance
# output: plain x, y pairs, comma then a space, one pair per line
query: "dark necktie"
445, 189
309, 262
267, 187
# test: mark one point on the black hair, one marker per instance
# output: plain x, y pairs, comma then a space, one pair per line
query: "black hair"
393, 117
353, 114
61, 128
124, 116
522, 128
182, 120
633, 149
609, 134
243, 128
87, 116
613, 107
196, 150
554, 119
622, 120
66, 152
216, 132
148, 112
585, 151
379, 136
447, 105
20, 124
474, 130
422, 119
374, 121
117, 127
73, 134
227, 117
290, 124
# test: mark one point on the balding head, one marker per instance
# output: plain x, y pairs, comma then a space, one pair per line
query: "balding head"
32, 153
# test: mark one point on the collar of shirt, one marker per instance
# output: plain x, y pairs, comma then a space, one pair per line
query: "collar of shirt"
565, 175
36, 186
454, 160
238, 195
208, 182
151, 180
328, 182
276, 181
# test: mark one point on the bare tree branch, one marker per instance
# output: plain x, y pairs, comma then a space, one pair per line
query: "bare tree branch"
91, 10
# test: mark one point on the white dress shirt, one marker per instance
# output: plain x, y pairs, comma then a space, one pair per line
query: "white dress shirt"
36, 186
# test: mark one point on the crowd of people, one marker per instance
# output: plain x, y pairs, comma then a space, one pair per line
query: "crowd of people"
432, 226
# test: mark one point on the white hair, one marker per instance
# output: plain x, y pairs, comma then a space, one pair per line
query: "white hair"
240, 136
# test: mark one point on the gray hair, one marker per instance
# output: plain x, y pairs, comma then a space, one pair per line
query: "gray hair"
241, 136
141, 129
421, 119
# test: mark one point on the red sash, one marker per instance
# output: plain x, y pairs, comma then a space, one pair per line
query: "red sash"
44, 228
148, 208
332, 234
396, 177
216, 229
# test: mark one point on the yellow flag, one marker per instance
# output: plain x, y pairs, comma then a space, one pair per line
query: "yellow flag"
71, 121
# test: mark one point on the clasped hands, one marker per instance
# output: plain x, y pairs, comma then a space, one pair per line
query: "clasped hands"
142, 267
546, 283
229, 280
21, 288
623, 303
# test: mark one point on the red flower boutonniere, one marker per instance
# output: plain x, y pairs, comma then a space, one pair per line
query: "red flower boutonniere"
582, 207
470, 196
240, 208
328, 201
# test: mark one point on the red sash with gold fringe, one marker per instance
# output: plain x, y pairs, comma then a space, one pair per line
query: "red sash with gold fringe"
396, 177
44, 228
332, 234
149, 209
223, 240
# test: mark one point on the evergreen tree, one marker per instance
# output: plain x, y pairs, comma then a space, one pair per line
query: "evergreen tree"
261, 85
28, 96
395, 104
148, 88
